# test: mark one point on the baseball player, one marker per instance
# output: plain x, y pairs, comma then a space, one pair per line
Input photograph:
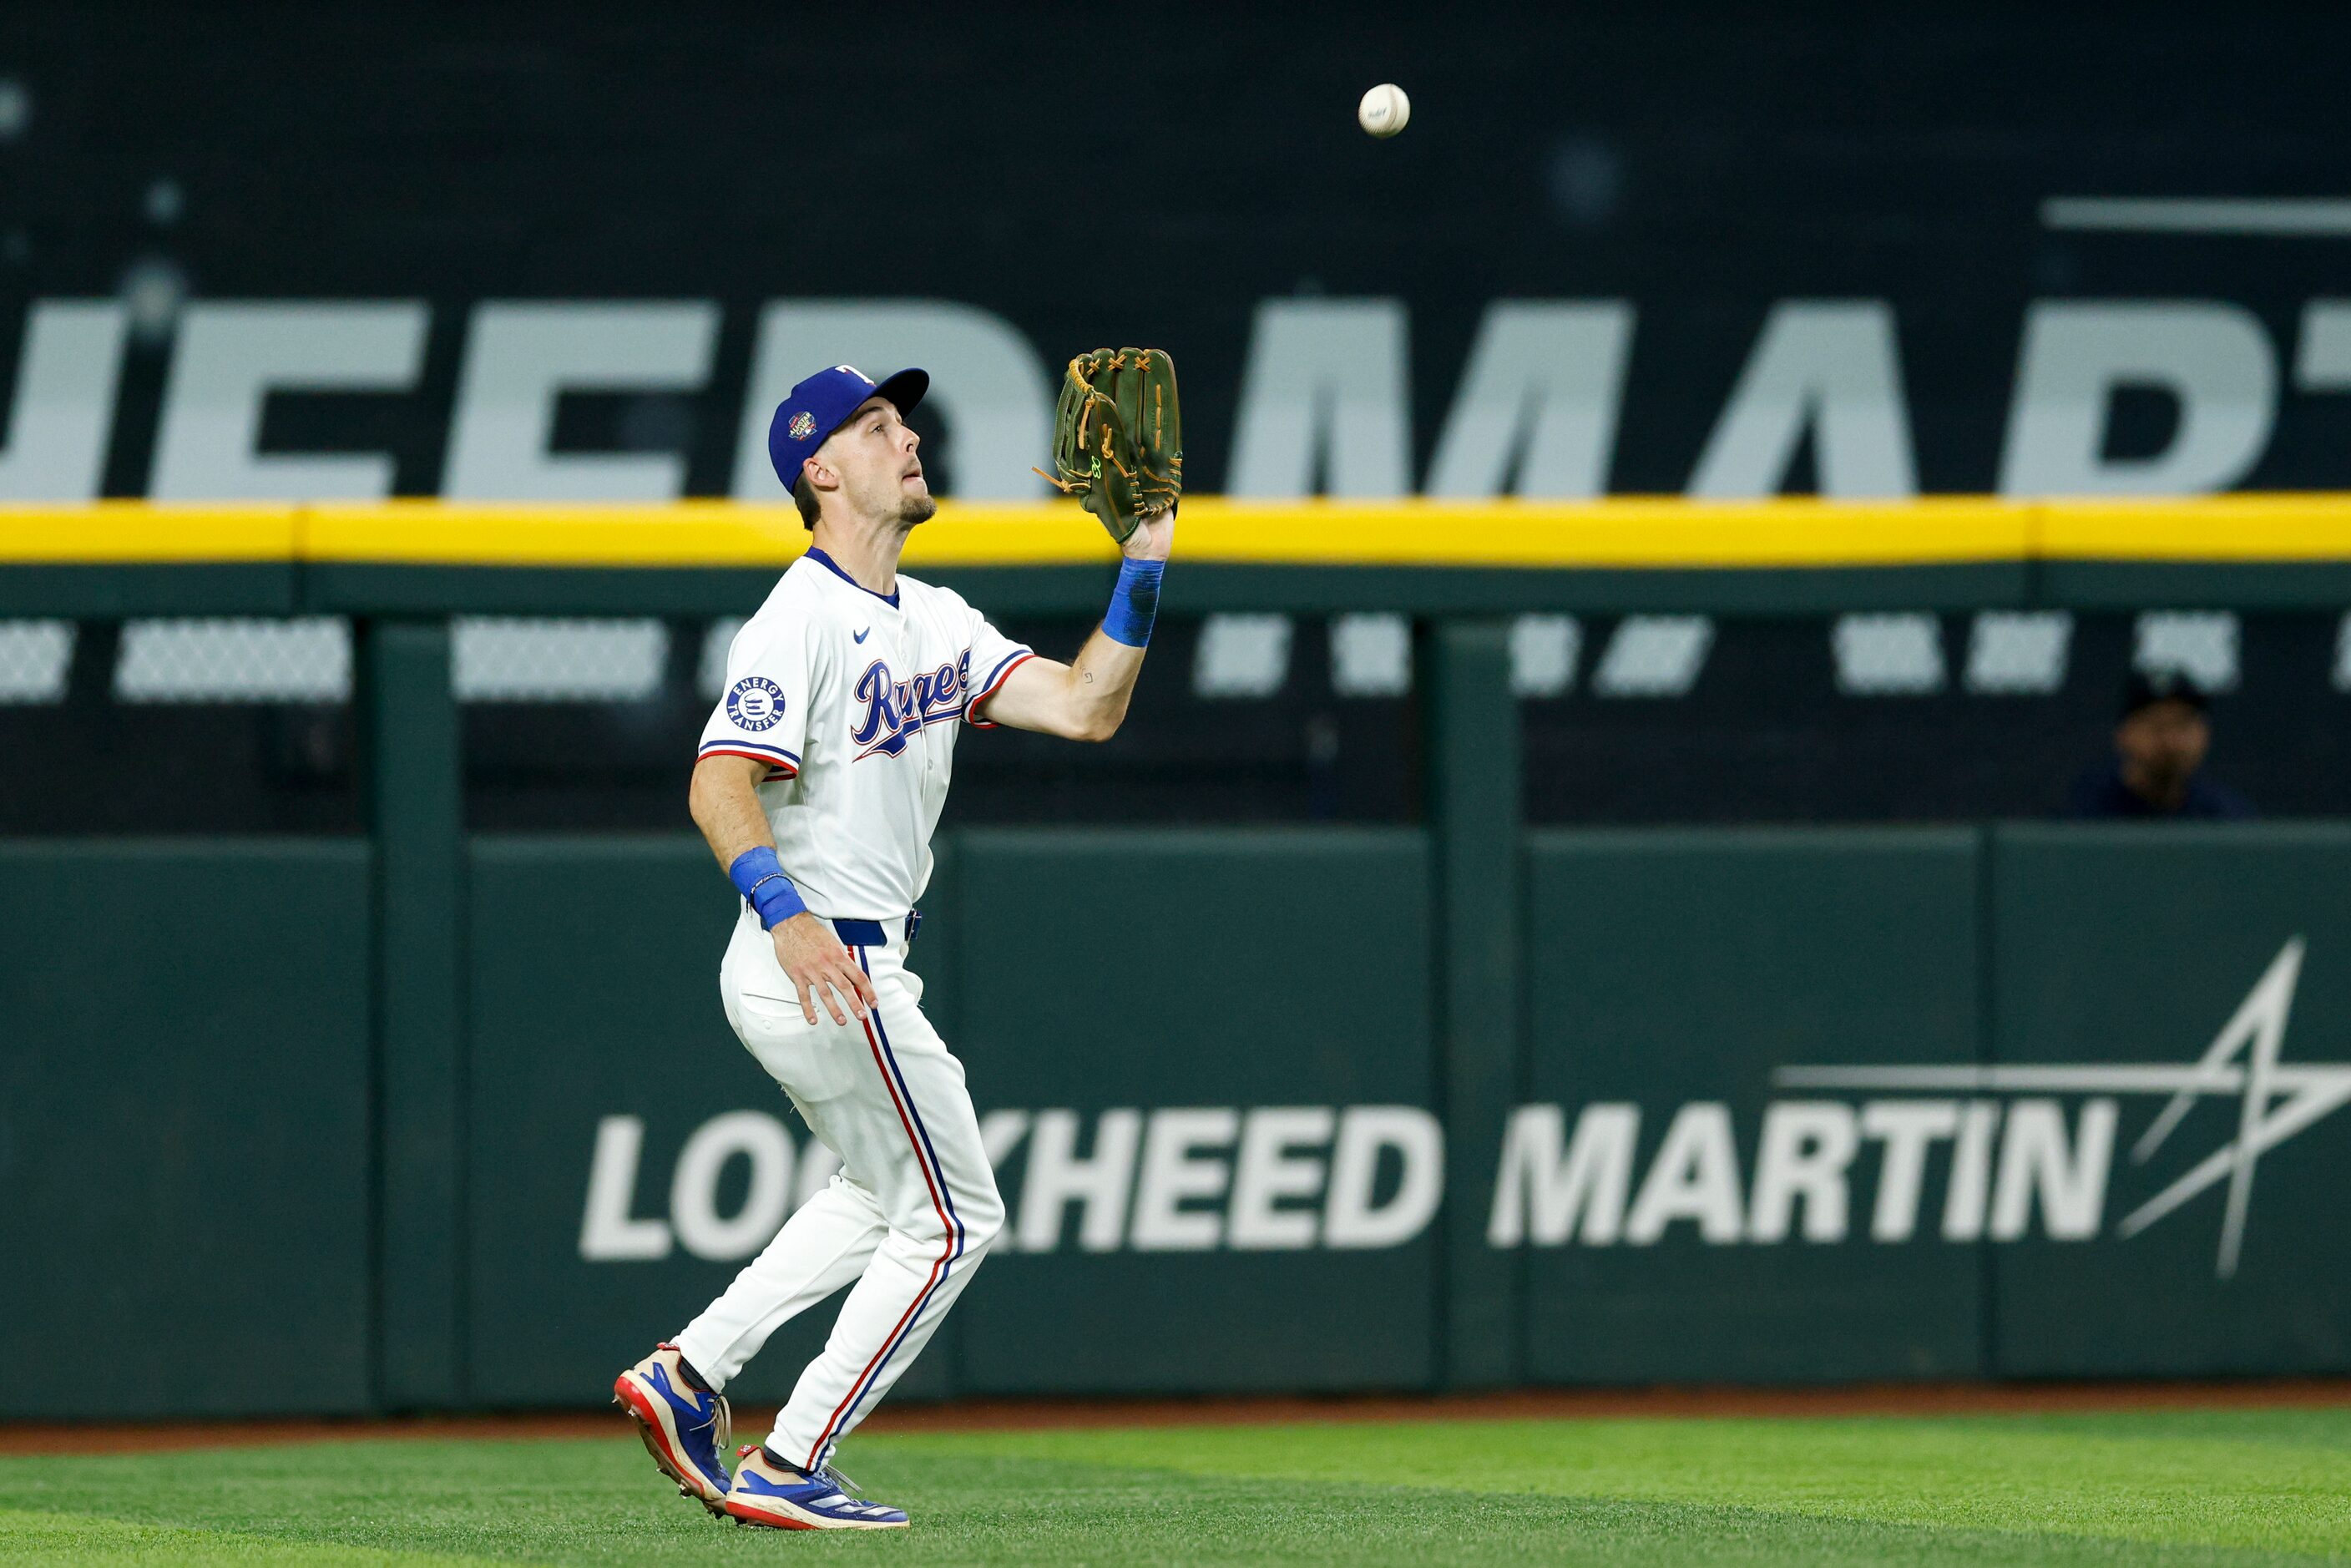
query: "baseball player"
819, 778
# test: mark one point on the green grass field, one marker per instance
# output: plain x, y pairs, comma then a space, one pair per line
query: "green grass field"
2205, 1487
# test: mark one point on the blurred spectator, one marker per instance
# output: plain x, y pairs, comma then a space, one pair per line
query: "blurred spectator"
2160, 746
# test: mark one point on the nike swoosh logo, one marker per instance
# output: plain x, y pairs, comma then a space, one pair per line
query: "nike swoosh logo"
860, 636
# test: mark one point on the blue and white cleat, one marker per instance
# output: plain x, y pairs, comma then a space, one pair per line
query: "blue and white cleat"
783, 1498
684, 1428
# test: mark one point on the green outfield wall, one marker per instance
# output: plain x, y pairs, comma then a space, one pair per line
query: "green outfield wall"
1669, 976
1760, 1107
186, 1164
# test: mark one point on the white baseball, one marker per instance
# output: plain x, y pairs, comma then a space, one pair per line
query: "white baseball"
1384, 109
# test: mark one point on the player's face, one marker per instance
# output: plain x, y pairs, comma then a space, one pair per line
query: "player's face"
880, 476
2164, 740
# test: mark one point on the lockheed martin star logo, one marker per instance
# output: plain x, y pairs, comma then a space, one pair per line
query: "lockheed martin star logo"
2276, 1098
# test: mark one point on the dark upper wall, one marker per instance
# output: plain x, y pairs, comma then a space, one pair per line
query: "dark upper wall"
1151, 173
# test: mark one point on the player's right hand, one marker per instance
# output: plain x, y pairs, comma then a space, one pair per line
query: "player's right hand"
822, 969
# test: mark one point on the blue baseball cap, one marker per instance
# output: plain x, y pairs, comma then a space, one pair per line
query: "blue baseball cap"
822, 404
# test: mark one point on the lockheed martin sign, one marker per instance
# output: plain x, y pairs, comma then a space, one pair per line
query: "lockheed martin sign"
1324, 399
2021, 1150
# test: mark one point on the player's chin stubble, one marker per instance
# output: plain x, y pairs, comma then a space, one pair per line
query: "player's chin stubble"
917, 509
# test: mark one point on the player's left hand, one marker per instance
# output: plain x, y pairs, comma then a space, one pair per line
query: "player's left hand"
1153, 538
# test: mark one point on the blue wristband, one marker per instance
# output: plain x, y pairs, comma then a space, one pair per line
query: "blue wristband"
1134, 602
760, 877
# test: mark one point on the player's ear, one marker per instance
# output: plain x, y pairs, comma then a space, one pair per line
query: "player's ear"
820, 475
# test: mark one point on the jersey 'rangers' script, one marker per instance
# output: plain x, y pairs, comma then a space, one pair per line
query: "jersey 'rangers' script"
896, 709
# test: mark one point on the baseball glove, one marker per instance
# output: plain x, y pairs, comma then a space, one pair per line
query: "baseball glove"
1118, 436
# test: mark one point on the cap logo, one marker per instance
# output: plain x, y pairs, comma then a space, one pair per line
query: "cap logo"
802, 426
853, 371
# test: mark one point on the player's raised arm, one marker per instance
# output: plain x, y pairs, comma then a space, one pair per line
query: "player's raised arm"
1086, 700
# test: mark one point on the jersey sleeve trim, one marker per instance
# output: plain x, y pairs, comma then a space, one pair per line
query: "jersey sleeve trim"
994, 684
773, 756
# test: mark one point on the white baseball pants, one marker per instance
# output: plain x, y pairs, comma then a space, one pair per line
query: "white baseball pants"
908, 1217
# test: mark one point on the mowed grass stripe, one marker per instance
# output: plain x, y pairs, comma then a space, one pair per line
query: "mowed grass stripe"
2274, 1480
71, 1539
2056, 1490
1136, 1517
1000, 1512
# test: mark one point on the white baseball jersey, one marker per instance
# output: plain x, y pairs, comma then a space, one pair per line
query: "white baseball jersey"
852, 699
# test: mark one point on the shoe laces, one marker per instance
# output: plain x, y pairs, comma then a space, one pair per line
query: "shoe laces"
722, 1415
824, 1475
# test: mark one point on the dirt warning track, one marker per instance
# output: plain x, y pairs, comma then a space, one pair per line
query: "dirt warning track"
1020, 1414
